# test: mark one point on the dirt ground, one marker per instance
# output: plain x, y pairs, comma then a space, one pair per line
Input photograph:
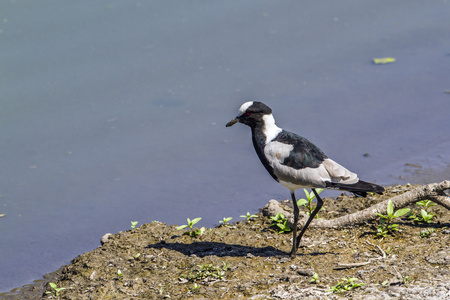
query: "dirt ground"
249, 260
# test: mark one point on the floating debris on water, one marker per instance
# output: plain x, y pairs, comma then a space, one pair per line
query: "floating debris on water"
383, 60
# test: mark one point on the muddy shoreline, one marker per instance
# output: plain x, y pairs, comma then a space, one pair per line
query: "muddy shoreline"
248, 259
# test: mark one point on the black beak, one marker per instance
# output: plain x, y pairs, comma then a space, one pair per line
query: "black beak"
232, 122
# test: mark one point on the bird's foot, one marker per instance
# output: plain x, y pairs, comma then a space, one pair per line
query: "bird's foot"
293, 253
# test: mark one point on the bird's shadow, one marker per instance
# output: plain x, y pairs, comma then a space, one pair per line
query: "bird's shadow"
202, 249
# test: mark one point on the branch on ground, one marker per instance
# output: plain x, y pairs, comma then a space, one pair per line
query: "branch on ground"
433, 191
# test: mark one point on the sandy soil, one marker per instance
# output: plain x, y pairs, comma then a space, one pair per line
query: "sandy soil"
249, 260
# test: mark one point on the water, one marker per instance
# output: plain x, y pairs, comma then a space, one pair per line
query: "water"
115, 111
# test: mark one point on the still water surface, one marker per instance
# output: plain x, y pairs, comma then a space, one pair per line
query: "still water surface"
115, 111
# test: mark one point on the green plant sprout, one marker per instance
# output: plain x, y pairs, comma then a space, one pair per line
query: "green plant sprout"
200, 231
347, 284
406, 279
194, 231
55, 288
426, 233
425, 216
225, 265
307, 203
190, 224
195, 288
426, 204
120, 274
249, 216
385, 226
225, 221
161, 290
315, 278
280, 221
133, 225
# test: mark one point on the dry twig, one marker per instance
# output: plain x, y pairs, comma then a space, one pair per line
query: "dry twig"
355, 265
434, 192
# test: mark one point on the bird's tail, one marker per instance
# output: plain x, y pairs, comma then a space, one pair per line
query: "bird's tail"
361, 188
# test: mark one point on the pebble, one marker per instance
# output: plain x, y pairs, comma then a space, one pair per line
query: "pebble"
92, 277
305, 272
105, 238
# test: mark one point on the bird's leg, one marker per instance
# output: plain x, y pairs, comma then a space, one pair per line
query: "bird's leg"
311, 217
294, 230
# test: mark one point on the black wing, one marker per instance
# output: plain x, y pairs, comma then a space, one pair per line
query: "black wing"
304, 155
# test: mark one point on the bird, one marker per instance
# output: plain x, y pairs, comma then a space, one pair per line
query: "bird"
295, 162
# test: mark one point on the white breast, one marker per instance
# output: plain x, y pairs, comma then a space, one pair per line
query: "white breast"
270, 130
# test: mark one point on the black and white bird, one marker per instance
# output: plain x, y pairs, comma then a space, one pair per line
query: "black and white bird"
295, 162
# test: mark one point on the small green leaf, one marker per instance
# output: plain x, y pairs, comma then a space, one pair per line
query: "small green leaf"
196, 220
430, 204
133, 224
306, 193
182, 227
301, 202
390, 208
383, 216
401, 212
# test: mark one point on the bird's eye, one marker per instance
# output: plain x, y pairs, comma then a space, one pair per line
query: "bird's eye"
248, 114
